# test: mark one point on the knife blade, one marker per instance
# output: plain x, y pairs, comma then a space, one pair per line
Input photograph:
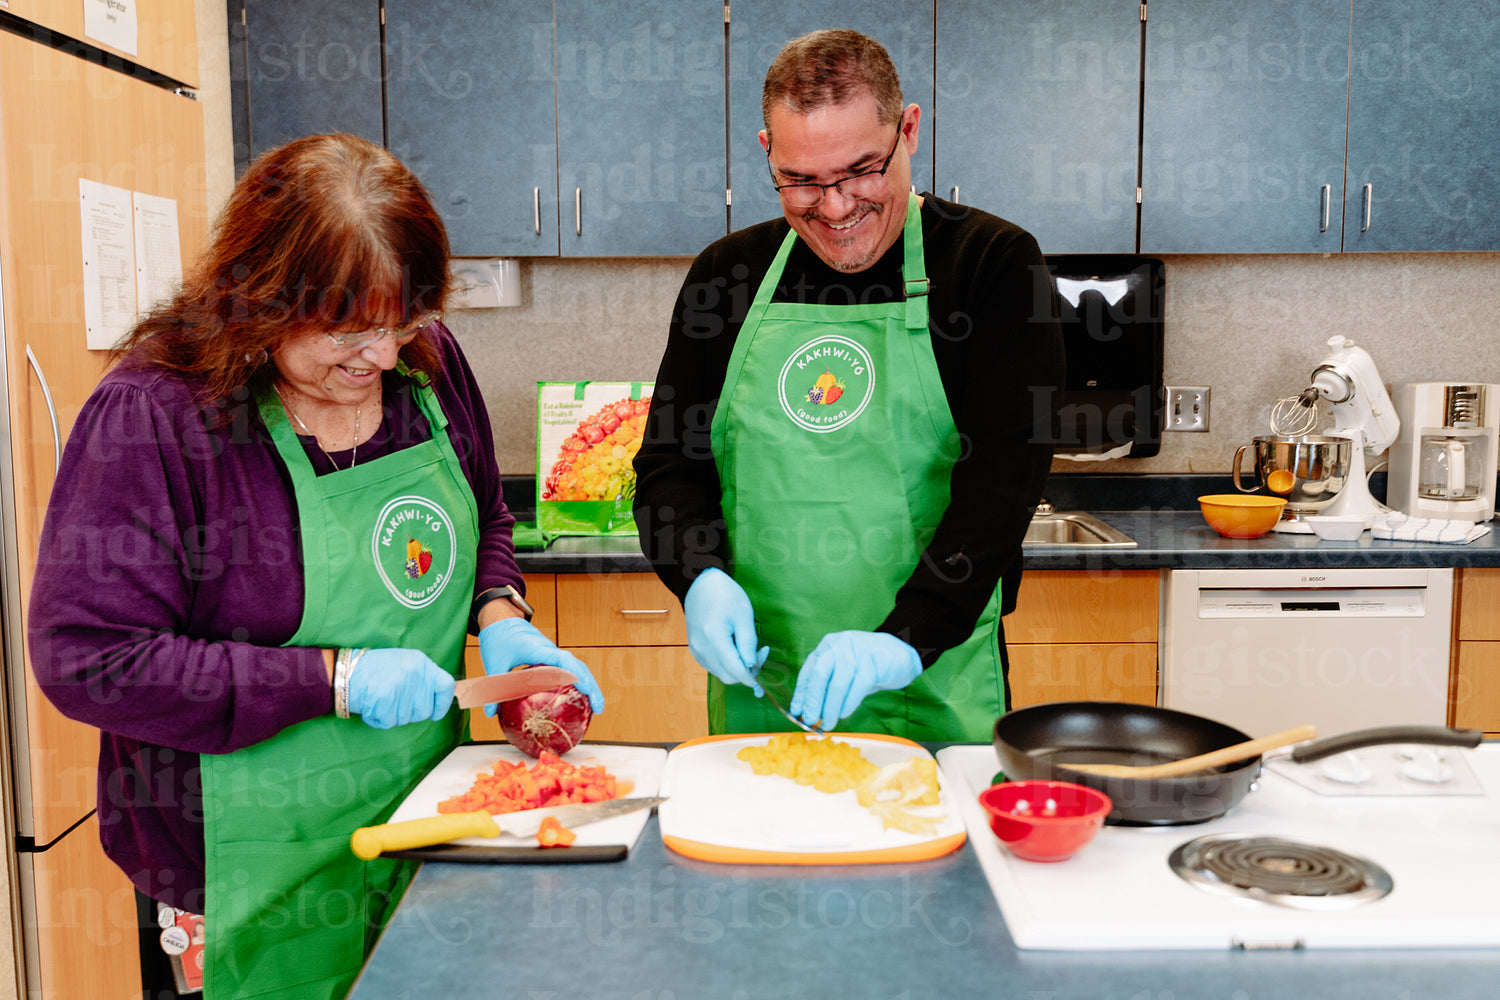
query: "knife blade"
370, 841
509, 686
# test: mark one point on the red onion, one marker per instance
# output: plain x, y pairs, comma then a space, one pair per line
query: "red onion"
548, 720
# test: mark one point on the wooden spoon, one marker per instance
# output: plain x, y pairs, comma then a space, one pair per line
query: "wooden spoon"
1202, 762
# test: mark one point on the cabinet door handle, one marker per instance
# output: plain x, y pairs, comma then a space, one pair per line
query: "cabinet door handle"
536, 210
1327, 198
578, 211
1366, 196
51, 409
643, 611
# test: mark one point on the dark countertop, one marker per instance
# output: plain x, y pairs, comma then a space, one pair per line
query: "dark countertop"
662, 926
1159, 511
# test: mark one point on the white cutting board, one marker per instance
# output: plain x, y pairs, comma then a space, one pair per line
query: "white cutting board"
718, 809
640, 766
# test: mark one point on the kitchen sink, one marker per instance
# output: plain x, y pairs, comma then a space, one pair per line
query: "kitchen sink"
1072, 528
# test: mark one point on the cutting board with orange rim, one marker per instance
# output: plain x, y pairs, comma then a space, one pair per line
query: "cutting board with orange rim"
718, 809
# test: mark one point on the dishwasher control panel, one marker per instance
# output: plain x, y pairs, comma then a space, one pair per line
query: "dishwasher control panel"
1362, 602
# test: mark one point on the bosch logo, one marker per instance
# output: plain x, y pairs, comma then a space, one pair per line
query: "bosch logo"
1314, 579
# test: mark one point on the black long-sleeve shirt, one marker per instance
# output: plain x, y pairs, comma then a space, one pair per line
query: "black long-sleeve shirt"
995, 336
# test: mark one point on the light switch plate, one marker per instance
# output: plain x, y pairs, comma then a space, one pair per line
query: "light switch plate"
1187, 408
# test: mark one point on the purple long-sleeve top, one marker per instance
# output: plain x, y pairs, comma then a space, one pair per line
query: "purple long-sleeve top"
169, 577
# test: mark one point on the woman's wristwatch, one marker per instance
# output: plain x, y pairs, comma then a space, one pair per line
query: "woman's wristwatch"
498, 594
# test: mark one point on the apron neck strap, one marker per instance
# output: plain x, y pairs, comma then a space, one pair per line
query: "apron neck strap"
913, 268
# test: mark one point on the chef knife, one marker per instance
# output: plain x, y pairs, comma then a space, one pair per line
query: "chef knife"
370, 841
509, 686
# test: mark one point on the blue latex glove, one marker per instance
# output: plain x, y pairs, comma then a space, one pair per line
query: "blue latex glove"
394, 687
845, 668
515, 642
721, 629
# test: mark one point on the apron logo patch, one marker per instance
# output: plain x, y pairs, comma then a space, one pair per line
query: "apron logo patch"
826, 383
415, 549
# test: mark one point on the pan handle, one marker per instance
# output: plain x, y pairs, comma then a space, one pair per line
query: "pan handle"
1361, 738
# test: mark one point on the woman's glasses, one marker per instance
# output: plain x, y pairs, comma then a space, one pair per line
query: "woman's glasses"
358, 340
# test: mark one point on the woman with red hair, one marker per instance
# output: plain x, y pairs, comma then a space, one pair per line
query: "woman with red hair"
273, 520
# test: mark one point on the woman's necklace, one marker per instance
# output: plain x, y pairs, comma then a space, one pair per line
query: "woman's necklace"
354, 456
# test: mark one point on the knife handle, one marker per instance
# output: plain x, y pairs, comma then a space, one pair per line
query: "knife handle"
370, 841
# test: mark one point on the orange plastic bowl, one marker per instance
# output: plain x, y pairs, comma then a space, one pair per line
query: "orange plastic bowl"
1236, 515
1044, 820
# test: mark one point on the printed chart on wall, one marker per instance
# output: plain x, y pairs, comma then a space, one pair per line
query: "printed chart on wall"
587, 436
132, 258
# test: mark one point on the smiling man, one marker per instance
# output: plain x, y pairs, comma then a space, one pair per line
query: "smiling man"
850, 424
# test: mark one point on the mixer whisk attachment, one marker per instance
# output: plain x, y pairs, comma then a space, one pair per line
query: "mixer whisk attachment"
1295, 415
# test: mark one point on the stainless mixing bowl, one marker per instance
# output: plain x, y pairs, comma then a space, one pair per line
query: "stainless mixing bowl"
1319, 467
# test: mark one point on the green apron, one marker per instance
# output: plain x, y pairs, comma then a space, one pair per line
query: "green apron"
834, 445
388, 561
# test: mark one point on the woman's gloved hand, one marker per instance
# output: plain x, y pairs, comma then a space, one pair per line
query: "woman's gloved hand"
515, 642
394, 687
845, 668
721, 629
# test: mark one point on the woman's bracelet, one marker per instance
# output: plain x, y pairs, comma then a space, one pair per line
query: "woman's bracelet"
344, 662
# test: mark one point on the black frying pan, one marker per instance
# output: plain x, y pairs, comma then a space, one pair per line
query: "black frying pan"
1039, 741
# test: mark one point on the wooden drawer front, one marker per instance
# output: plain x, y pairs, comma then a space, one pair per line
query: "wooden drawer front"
651, 693
541, 594
622, 609
1476, 688
1084, 606
1089, 672
1479, 604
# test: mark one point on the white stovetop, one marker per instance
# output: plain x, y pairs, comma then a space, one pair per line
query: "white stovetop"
1442, 852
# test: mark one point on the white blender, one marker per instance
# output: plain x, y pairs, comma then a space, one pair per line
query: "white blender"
1362, 412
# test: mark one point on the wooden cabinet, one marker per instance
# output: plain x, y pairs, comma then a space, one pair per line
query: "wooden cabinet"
166, 32
629, 629
1243, 140
471, 111
309, 67
1424, 122
757, 32
640, 126
1035, 115
1476, 675
1273, 128
1079, 634
541, 129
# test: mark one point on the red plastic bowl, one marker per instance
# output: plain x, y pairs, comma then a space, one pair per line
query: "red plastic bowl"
1044, 820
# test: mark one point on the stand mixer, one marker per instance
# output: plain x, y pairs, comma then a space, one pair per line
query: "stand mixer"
1362, 412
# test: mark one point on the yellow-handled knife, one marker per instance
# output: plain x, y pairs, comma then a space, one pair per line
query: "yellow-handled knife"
371, 841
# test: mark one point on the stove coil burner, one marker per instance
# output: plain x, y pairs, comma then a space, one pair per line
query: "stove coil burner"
1280, 871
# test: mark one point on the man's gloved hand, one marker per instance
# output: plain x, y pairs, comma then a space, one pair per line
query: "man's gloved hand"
721, 629
845, 668
515, 642
394, 687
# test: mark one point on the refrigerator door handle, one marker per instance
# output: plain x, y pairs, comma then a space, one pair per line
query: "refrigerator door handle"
36, 366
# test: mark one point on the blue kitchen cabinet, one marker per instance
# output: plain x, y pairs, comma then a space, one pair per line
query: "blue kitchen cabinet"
759, 30
1424, 127
470, 109
308, 67
1243, 138
1036, 116
640, 126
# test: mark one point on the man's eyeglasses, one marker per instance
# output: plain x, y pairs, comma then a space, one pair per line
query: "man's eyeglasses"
863, 185
358, 340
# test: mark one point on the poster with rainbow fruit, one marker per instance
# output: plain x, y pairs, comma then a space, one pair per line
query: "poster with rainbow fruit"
587, 435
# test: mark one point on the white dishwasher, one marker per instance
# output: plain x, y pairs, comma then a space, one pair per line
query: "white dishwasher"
1343, 649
